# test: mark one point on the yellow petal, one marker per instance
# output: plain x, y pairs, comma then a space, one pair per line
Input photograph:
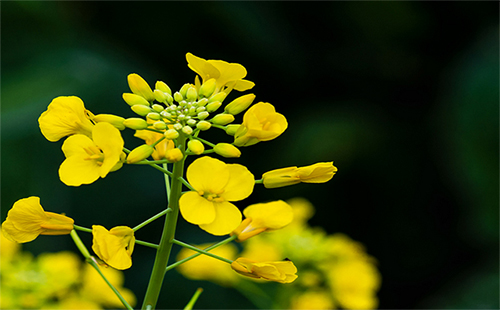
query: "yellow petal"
76, 170
195, 209
240, 184
228, 71
227, 218
10, 232
202, 67
208, 174
110, 141
272, 215
76, 145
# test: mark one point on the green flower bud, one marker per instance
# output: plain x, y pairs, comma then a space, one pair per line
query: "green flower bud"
227, 150
239, 104
218, 97
162, 86
203, 102
133, 99
212, 106
171, 134
223, 119
135, 123
155, 116
177, 126
140, 153
196, 147
178, 97
191, 94
160, 125
184, 89
158, 108
203, 115
187, 130
160, 96
231, 129
140, 87
203, 125
207, 89
191, 122
141, 110
114, 120
170, 99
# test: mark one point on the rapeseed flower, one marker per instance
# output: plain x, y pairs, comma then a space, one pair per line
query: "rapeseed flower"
317, 173
260, 123
140, 87
89, 159
115, 246
264, 217
27, 219
161, 148
216, 184
283, 272
225, 74
65, 116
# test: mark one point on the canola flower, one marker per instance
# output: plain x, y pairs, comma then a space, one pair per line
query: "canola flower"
115, 246
283, 272
317, 173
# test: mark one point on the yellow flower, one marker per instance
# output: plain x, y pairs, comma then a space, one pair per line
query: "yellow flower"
316, 299
225, 74
260, 123
115, 246
65, 116
61, 271
216, 184
317, 173
264, 217
140, 87
283, 272
151, 137
86, 159
207, 268
27, 219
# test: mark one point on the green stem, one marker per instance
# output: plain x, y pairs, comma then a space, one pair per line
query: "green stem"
91, 260
186, 183
85, 229
259, 181
206, 142
149, 220
193, 300
201, 251
163, 251
182, 261
151, 245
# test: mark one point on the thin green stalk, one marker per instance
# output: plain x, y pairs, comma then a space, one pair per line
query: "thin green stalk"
149, 220
193, 300
182, 261
85, 229
163, 251
151, 245
201, 251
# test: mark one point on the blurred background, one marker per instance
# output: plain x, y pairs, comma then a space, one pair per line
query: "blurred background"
402, 96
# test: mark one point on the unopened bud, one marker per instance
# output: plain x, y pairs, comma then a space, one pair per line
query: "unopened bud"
191, 122
160, 96
207, 89
141, 110
178, 97
160, 125
114, 120
135, 123
231, 129
162, 86
140, 87
203, 115
191, 94
227, 150
133, 99
196, 146
155, 116
158, 108
165, 114
187, 130
218, 97
222, 119
171, 134
202, 102
174, 155
140, 153
239, 104
177, 126
212, 106
203, 125
184, 89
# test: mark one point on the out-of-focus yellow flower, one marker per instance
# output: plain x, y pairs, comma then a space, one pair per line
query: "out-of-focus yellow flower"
260, 123
262, 249
225, 74
283, 272
86, 159
115, 246
207, 268
8, 248
303, 210
65, 116
97, 290
314, 299
140, 87
76, 303
263, 217
317, 173
61, 270
27, 219
354, 284
151, 137
216, 184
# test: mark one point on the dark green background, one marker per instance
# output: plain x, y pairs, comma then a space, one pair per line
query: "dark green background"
403, 96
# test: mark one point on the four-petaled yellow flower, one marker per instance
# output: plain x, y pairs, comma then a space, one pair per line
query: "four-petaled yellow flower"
151, 137
262, 217
65, 116
27, 219
88, 159
317, 173
225, 74
260, 123
283, 272
115, 246
216, 184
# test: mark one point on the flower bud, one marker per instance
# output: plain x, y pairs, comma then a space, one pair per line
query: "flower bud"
135, 123
212, 106
202, 115
155, 116
171, 134
218, 97
227, 150
174, 155
191, 94
170, 99
141, 110
160, 96
133, 99
140, 87
207, 89
160, 125
191, 122
187, 130
177, 126
231, 129
184, 89
203, 125
162, 86
196, 146
222, 119
140, 153
114, 120
202, 102
178, 97
158, 108
239, 104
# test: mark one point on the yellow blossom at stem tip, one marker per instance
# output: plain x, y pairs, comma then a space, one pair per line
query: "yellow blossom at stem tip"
27, 219
282, 272
317, 173
115, 246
